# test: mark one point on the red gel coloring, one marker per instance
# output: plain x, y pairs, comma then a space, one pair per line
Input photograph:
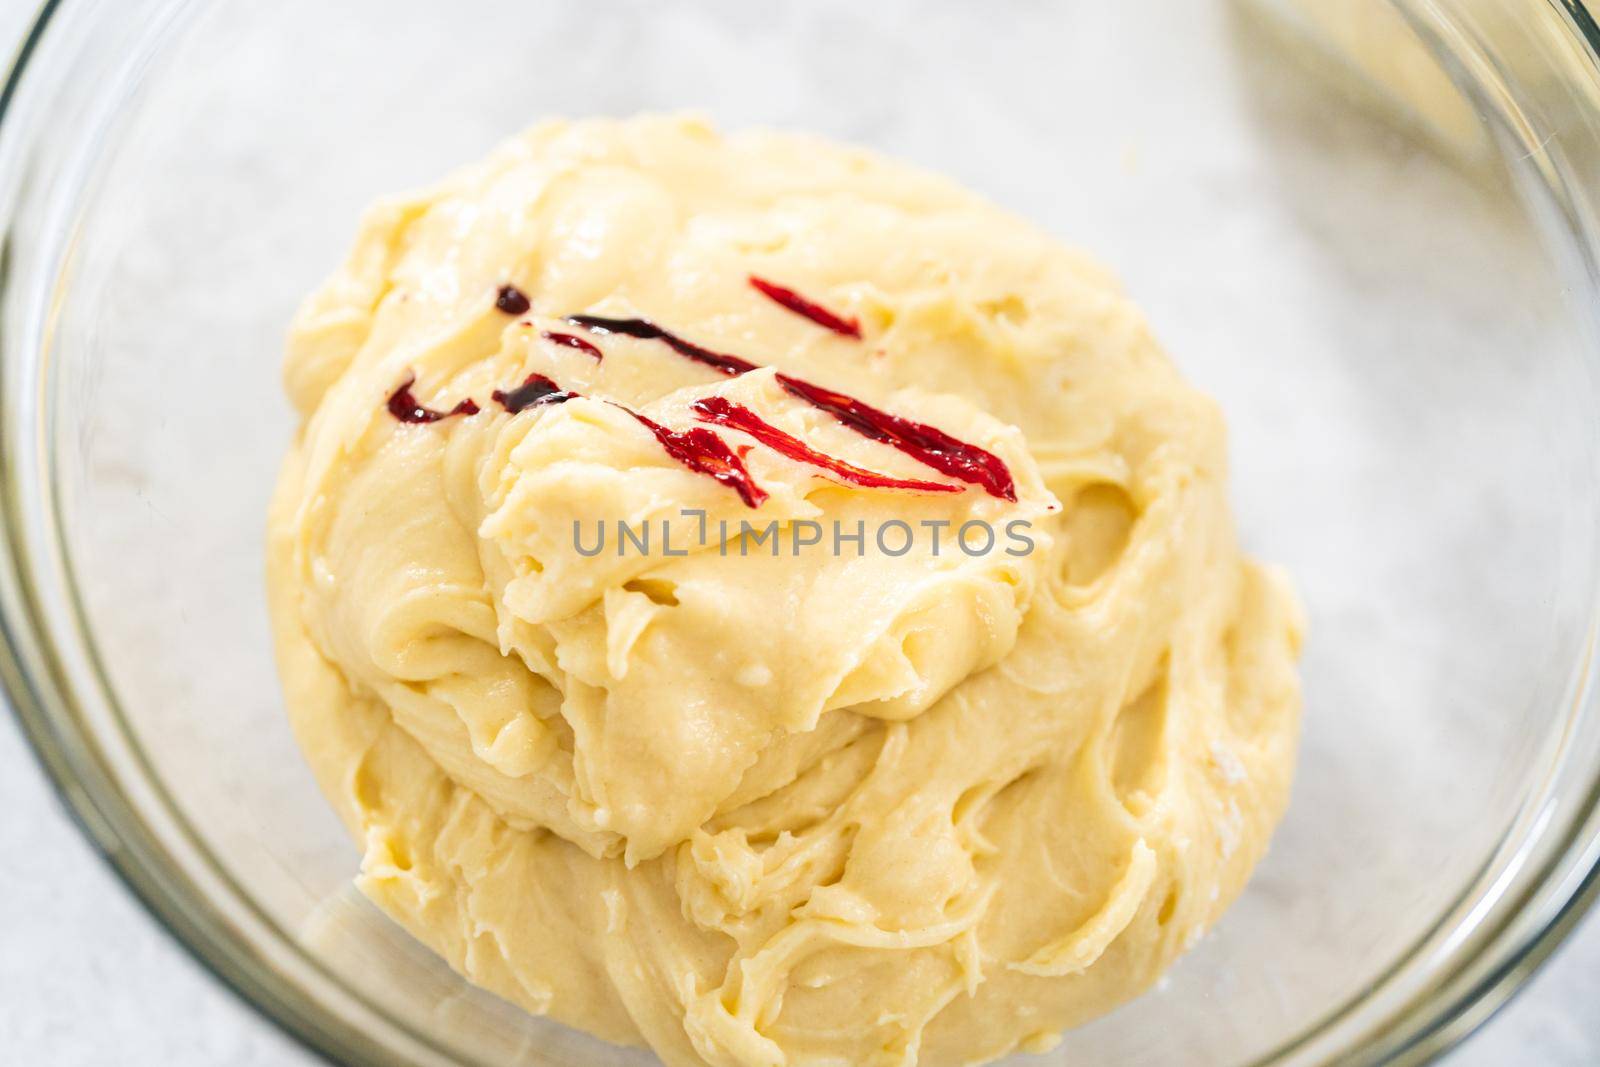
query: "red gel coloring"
809, 309
572, 340
535, 390
511, 300
700, 450
926, 444
705, 453
722, 412
646, 330
404, 406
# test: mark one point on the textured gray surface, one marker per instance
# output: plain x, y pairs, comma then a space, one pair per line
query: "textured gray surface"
87, 978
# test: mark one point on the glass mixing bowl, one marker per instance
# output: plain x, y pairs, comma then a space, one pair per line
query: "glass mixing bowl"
1365, 232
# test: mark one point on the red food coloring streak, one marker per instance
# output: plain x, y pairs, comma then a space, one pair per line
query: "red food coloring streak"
534, 391
646, 330
926, 444
722, 412
572, 340
705, 453
511, 300
809, 309
404, 406
698, 449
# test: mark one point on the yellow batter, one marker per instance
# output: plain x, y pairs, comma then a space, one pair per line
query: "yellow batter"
812, 808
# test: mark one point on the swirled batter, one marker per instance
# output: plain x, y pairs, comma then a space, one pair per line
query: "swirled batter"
836, 805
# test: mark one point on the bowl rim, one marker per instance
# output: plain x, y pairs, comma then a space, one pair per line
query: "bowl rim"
36, 683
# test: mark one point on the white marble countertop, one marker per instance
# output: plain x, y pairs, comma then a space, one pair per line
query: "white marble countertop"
87, 978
